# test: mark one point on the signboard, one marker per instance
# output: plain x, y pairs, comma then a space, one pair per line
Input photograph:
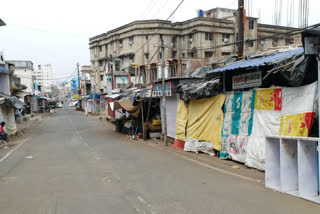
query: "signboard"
157, 89
246, 80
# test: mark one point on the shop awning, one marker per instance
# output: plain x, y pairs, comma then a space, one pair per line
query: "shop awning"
134, 110
11, 101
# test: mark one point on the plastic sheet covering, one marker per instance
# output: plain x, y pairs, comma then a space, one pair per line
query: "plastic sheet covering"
237, 126
205, 89
134, 110
304, 71
290, 115
7, 115
193, 145
205, 119
12, 101
181, 122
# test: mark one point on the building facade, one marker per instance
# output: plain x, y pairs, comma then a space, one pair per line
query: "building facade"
135, 48
43, 74
25, 72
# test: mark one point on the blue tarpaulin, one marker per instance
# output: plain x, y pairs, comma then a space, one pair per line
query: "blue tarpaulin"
256, 62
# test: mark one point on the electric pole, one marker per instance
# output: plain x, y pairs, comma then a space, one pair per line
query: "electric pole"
241, 25
79, 89
164, 109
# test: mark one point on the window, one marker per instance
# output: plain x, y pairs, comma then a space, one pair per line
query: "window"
130, 40
160, 55
100, 48
251, 24
208, 36
120, 41
275, 42
226, 53
289, 41
190, 54
251, 44
190, 36
147, 37
101, 90
146, 55
100, 63
174, 54
101, 77
183, 55
208, 54
225, 37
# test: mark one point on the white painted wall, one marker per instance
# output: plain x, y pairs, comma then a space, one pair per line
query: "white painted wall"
27, 79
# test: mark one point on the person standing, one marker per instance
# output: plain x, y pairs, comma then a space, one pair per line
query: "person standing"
3, 135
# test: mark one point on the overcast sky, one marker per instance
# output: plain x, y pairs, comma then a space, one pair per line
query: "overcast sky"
57, 32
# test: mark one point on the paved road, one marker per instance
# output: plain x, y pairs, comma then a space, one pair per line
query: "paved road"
76, 165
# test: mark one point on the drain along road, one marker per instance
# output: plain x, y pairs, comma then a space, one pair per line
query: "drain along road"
71, 164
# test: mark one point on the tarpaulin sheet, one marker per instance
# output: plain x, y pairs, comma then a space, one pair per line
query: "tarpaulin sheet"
294, 118
12, 101
134, 110
181, 122
7, 115
205, 119
237, 126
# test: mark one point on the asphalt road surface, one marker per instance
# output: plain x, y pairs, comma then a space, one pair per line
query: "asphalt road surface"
71, 164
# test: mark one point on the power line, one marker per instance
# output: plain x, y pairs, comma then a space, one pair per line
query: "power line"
146, 42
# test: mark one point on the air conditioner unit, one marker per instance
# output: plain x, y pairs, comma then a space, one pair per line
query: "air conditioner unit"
225, 39
191, 40
130, 42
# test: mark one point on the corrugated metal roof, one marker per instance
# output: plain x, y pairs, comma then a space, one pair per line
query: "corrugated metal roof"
259, 61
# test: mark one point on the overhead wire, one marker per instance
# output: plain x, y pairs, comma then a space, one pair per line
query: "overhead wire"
158, 29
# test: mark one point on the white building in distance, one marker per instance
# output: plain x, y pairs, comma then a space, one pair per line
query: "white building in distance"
43, 74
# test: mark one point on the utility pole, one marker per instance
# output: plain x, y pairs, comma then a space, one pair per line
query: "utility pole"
79, 90
164, 109
241, 24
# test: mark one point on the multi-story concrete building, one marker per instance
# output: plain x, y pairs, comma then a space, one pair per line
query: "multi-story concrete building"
43, 74
135, 48
24, 71
87, 81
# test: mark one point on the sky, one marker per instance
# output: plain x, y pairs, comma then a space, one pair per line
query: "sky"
57, 32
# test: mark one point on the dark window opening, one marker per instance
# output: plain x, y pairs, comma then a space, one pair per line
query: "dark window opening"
251, 24
190, 54
101, 77
225, 37
208, 36
226, 53
208, 54
174, 54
